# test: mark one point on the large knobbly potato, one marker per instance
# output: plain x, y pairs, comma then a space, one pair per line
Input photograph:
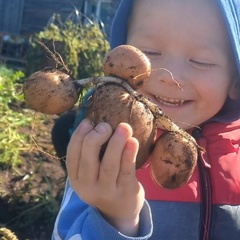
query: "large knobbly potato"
111, 103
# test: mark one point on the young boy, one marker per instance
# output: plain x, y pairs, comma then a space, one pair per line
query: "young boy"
199, 42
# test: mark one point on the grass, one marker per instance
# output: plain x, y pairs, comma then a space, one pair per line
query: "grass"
13, 139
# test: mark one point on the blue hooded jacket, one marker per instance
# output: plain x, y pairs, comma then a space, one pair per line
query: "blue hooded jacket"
193, 212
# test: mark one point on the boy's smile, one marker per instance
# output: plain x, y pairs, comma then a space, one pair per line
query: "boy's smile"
193, 49
169, 101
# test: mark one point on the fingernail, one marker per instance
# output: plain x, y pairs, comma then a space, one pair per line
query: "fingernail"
84, 126
122, 130
86, 123
101, 128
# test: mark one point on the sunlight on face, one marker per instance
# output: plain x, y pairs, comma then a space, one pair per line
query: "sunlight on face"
189, 39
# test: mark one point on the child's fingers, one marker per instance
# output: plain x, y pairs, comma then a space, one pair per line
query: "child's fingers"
75, 147
111, 161
128, 164
89, 164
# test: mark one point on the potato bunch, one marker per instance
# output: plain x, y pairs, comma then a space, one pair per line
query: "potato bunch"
115, 100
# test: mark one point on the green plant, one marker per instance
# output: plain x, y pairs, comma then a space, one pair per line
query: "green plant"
82, 48
14, 119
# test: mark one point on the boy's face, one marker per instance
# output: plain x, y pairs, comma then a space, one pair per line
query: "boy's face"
189, 39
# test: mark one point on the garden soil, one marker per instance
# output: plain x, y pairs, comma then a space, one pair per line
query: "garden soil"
30, 194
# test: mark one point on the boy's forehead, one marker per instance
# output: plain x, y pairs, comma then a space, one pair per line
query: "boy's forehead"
187, 14
171, 7
196, 24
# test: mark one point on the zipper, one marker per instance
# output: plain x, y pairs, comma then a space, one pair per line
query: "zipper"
206, 188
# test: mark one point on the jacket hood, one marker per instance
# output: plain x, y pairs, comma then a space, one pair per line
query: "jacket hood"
231, 13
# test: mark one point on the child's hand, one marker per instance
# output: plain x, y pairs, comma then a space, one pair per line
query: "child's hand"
109, 185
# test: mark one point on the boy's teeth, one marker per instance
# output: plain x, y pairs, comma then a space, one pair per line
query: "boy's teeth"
170, 101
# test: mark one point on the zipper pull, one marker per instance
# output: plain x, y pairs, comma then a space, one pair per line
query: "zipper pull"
202, 142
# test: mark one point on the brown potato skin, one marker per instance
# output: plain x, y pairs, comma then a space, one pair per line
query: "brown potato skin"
50, 91
128, 63
173, 160
111, 103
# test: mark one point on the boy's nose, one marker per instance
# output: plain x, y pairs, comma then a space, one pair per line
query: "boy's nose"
172, 73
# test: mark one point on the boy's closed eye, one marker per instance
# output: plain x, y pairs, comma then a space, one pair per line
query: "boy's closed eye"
147, 52
152, 53
202, 64
197, 63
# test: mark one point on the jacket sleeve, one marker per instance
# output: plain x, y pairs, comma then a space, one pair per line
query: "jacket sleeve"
78, 221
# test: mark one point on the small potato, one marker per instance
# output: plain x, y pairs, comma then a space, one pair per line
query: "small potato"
128, 63
173, 160
50, 91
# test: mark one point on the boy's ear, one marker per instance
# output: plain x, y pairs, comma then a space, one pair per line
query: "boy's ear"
234, 90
